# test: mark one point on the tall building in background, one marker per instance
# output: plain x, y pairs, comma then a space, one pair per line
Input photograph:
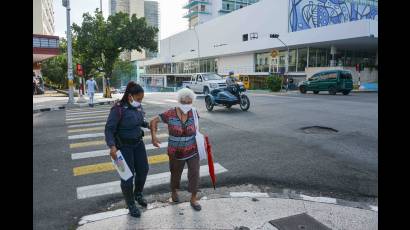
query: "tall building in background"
45, 45
151, 13
130, 7
43, 17
200, 11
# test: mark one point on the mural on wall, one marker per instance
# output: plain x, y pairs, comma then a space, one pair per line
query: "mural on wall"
306, 14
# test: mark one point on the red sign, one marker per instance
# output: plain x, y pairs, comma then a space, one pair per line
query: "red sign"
79, 70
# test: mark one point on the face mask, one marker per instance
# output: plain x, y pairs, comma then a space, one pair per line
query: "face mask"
185, 108
135, 103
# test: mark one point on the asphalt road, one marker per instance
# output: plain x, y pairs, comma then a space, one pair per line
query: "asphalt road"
264, 145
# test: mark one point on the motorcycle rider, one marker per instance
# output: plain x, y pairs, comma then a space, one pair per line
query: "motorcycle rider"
231, 84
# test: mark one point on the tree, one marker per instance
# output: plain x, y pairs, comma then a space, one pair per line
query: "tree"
101, 42
274, 82
122, 70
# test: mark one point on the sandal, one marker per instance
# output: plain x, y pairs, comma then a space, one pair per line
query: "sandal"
196, 206
176, 200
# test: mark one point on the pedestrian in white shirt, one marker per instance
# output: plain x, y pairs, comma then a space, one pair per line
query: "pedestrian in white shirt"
91, 85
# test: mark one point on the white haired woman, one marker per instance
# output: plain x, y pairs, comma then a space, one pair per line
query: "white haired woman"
182, 146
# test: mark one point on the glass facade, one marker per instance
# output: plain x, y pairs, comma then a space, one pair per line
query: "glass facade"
151, 15
205, 65
301, 58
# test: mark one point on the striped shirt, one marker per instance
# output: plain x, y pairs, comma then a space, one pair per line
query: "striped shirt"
181, 140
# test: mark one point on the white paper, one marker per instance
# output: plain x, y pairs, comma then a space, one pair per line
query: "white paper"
121, 166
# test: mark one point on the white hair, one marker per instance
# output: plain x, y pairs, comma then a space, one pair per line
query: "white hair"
184, 94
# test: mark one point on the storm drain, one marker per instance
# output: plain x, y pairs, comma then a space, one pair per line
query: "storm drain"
298, 222
318, 130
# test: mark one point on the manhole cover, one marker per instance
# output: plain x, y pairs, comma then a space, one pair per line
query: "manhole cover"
318, 130
298, 222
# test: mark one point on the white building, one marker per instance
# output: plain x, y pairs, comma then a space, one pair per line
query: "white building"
43, 17
320, 34
130, 7
200, 11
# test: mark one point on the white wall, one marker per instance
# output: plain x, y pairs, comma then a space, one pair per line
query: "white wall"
265, 17
243, 64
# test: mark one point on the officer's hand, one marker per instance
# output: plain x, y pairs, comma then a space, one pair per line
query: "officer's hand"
155, 142
113, 153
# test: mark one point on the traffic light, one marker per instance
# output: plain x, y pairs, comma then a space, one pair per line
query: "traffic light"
79, 70
358, 67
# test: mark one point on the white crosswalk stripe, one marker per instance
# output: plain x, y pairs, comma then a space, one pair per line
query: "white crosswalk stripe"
85, 118
104, 152
92, 135
152, 180
86, 125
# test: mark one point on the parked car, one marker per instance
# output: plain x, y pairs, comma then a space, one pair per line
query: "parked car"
333, 81
205, 82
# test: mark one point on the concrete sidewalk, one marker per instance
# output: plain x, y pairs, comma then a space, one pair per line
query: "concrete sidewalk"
53, 100
240, 210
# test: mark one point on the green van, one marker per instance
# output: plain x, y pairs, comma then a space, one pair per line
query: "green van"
330, 80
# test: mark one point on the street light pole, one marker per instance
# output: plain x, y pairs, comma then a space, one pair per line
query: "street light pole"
66, 4
287, 55
197, 39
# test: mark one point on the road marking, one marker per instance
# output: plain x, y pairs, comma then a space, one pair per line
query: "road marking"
86, 121
102, 142
86, 125
87, 112
319, 199
91, 109
170, 100
248, 194
85, 118
152, 180
105, 152
87, 115
86, 129
102, 216
87, 135
155, 102
108, 166
374, 208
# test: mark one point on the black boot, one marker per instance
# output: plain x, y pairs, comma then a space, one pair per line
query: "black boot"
129, 200
140, 199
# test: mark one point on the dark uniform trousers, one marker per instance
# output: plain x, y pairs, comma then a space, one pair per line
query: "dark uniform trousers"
137, 161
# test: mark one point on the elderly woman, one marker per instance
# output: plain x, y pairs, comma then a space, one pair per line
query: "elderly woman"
182, 146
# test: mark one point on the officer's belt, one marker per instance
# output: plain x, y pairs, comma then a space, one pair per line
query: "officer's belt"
128, 141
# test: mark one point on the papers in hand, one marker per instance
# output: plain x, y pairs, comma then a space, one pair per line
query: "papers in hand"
121, 166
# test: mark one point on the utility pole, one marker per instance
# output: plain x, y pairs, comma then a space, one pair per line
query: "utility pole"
66, 4
197, 39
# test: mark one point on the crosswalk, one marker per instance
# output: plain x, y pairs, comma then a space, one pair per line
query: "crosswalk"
90, 155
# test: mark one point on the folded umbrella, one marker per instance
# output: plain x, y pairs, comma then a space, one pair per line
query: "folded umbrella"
210, 161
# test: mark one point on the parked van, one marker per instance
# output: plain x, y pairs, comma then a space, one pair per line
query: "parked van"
333, 81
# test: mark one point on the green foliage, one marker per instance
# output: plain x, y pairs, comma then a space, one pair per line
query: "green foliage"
122, 70
274, 83
100, 41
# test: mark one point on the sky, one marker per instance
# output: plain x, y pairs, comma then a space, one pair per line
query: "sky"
171, 12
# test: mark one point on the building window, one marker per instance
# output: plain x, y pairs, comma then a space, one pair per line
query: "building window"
227, 6
245, 37
202, 7
312, 57
253, 36
302, 59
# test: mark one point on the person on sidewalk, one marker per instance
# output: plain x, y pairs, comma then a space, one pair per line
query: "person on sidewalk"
34, 83
91, 86
182, 146
123, 132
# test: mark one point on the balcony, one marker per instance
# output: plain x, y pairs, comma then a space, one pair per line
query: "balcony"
44, 47
192, 3
192, 13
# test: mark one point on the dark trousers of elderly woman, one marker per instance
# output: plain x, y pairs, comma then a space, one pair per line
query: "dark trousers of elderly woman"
177, 167
136, 158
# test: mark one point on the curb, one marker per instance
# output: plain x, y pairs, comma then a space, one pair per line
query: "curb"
55, 108
255, 196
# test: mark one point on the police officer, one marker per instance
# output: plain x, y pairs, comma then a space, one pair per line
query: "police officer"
123, 131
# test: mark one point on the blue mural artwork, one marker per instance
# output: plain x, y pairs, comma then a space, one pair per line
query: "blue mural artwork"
307, 14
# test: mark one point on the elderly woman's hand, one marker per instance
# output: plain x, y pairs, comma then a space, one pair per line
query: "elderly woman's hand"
155, 141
